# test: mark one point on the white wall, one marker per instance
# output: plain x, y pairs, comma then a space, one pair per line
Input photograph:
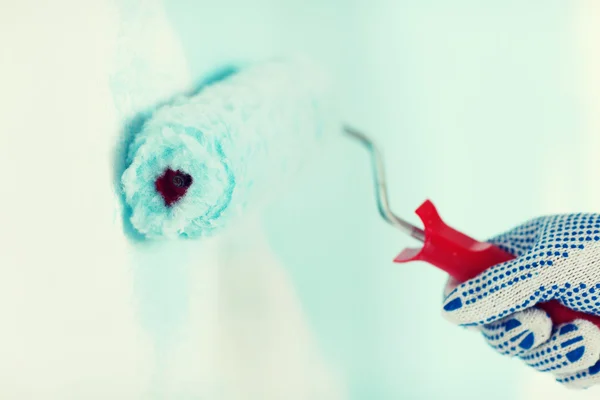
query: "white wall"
84, 312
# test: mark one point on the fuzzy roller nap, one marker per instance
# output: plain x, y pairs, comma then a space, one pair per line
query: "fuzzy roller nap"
200, 161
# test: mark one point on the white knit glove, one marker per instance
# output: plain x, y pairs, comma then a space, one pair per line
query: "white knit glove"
558, 258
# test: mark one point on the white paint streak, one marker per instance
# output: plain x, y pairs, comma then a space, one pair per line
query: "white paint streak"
69, 328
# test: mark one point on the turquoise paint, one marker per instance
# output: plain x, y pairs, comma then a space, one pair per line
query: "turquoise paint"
133, 127
461, 95
233, 165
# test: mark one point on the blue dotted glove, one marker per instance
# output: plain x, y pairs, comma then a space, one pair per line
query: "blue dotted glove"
558, 258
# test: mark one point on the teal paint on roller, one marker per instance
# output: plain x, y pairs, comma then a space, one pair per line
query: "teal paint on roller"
203, 159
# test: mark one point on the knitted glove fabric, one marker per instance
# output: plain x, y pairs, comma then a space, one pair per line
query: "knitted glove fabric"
557, 258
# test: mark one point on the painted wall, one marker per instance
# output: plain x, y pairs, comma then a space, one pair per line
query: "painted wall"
489, 110
482, 108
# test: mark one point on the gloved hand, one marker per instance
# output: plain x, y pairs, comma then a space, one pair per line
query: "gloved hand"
558, 257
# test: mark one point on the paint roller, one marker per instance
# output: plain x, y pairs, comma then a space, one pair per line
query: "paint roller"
205, 159
200, 161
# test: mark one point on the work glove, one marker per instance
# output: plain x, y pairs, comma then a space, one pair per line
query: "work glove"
557, 258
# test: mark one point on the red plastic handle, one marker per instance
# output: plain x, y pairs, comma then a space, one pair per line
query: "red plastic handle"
463, 258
